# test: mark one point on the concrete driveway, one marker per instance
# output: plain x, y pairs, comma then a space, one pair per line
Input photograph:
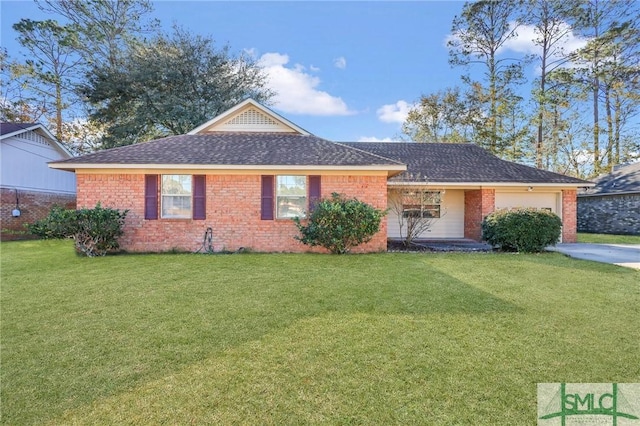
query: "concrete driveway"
627, 255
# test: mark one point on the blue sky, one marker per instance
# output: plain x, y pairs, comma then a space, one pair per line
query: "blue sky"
345, 71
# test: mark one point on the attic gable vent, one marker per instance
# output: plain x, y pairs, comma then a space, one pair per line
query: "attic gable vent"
34, 137
252, 117
248, 116
251, 120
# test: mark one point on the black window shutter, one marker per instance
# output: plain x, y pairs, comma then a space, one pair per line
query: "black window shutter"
314, 191
151, 197
266, 205
199, 198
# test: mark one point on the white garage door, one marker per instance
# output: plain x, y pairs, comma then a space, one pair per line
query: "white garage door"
538, 200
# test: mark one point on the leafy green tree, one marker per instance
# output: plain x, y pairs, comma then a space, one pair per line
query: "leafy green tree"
442, 116
169, 85
607, 68
104, 28
18, 104
478, 35
550, 21
51, 62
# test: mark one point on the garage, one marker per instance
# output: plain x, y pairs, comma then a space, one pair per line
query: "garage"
538, 200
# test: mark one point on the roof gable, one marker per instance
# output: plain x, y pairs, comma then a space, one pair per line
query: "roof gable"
35, 132
248, 116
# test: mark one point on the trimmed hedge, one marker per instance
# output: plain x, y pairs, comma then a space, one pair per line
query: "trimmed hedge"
94, 231
523, 230
339, 224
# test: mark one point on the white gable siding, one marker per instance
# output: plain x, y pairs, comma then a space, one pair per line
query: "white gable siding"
252, 120
449, 225
24, 161
248, 116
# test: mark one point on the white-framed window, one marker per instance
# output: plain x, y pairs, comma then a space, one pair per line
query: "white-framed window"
421, 204
176, 197
291, 197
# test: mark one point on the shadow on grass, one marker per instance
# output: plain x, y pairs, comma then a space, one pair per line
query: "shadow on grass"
76, 330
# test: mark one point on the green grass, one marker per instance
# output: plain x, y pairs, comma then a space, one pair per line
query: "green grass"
608, 239
305, 339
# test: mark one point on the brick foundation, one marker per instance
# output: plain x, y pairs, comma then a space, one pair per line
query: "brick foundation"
33, 206
478, 203
233, 213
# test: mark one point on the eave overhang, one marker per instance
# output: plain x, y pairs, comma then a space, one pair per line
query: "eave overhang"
390, 169
480, 185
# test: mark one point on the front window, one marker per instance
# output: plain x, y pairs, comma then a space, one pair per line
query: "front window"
291, 196
176, 196
421, 204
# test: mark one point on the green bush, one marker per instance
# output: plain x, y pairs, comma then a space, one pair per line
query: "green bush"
94, 231
339, 224
524, 230
58, 224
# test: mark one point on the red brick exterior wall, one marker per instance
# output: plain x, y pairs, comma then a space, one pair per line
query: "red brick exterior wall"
569, 216
478, 203
233, 213
33, 206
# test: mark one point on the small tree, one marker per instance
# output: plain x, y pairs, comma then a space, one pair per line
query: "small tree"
339, 224
94, 231
413, 211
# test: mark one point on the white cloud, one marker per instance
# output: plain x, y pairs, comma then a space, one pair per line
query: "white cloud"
394, 113
375, 139
340, 62
297, 91
523, 42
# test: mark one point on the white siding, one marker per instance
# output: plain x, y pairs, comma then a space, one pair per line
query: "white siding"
449, 225
523, 198
24, 166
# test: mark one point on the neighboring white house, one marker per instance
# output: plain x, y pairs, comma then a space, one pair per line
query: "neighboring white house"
29, 188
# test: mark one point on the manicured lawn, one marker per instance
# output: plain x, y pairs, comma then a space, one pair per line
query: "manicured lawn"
608, 239
305, 339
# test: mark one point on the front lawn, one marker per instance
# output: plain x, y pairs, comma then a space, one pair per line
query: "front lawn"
305, 339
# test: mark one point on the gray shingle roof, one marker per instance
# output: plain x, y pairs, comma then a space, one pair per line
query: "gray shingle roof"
234, 148
7, 128
443, 162
624, 179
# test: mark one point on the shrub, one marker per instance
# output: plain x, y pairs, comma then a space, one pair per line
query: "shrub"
95, 231
57, 225
524, 230
339, 224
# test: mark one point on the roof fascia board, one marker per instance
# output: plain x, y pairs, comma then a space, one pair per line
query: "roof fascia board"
491, 184
20, 131
77, 166
240, 106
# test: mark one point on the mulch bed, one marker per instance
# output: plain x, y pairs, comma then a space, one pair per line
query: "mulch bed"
437, 247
